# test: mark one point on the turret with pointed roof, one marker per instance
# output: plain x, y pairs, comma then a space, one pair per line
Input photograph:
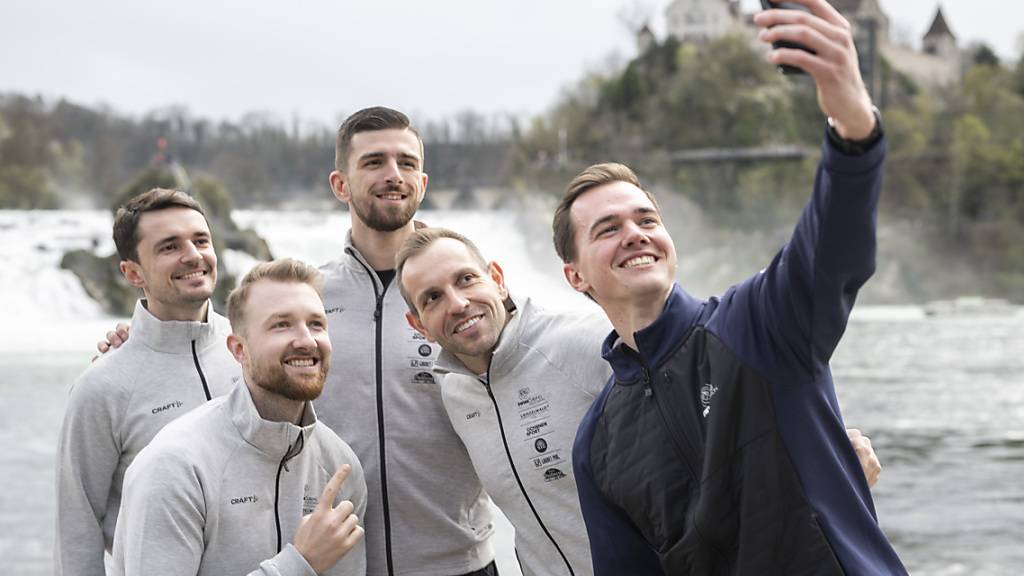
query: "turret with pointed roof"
939, 40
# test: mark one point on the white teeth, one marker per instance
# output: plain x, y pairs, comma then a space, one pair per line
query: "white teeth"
638, 261
300, 363
467, 324
192, 275
391, 196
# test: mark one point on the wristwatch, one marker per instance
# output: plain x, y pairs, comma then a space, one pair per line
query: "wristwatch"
856, 147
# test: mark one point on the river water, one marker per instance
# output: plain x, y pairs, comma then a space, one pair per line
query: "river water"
942, 397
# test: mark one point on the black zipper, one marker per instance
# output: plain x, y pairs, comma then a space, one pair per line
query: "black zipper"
649, 393
515, 472
288, 455
377, 315
195, 358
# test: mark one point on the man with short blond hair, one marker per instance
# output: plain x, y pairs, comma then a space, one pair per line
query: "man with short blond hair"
243, 484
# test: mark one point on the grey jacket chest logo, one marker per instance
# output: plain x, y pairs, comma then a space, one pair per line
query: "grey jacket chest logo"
333, 310
168, 406
250, 499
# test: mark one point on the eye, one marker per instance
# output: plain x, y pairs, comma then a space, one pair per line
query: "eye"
318, 324
202, 242
409, 164
467, 278
607, 230
279, 324
168, 248
649, 221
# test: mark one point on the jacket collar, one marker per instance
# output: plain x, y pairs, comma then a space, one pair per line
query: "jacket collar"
655, 342
505, 353
272, 438
175, 336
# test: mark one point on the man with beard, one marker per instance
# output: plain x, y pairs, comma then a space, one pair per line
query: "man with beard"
243, 484
717, 447
175, 361
516, 380
428, 514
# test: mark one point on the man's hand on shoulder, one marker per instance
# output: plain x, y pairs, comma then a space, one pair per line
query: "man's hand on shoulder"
114, 339
833, 64
327, 534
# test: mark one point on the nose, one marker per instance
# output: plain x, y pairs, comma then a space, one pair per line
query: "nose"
303, 338
190, 253
394, 174
634, 234
456, 301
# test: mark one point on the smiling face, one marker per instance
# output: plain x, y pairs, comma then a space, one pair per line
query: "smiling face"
177, 265
624, 255
459, 303
283, 344
383, 180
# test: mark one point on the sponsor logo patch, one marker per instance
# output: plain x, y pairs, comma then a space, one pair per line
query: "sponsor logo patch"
552, 474
425, 350
168, 406
423, 378
251, 499
541, 444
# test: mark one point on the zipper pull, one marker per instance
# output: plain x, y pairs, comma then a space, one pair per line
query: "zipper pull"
648, 392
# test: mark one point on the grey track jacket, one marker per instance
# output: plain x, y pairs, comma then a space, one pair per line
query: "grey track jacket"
519, 424
115, 408
220, 491
427, 509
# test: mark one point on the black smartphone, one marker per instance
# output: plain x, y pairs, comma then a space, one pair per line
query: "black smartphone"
768, 5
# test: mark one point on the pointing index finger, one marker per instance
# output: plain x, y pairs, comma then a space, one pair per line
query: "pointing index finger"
331, 489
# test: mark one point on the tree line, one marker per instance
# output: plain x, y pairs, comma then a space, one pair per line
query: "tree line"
956, 157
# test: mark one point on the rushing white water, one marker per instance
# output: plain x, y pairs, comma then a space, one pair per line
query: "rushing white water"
942, 397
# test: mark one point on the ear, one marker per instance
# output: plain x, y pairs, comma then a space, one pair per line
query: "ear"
414, 321
236, 347
132, 272
423, 191
574, 278
498, 275
338, 186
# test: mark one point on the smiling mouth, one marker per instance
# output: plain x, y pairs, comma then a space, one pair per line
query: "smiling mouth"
469, 323
391, 196
638, 261
302, 362
192, 275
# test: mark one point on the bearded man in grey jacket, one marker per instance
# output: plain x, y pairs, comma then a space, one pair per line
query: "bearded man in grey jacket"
516, 380
175, 361
244, 483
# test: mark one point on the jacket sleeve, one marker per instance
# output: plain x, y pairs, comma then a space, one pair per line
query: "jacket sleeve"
160, 525
797, 308
88, 452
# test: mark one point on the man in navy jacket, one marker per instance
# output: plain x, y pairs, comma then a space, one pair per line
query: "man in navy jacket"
718, 446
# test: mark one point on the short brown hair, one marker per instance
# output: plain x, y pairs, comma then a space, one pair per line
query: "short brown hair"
420, 241
368, 120
563, 234
284, 270
126, 220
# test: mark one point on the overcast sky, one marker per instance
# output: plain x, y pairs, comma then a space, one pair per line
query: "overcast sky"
320, 59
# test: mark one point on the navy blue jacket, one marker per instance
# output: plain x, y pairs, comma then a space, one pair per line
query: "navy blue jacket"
718, 446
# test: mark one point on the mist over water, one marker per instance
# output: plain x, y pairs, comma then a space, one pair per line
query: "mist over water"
942, 397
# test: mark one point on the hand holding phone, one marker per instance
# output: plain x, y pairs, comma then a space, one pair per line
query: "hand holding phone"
769, 5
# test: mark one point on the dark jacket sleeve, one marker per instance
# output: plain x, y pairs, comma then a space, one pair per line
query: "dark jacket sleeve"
797, 308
